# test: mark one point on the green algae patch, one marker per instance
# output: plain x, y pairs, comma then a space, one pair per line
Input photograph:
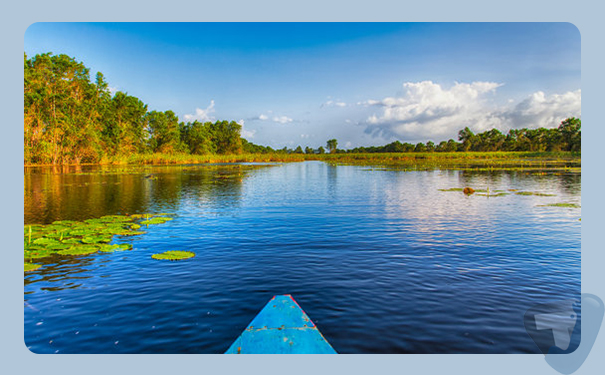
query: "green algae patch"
174, 255
30, 267
565, 205
534, 193
451, 189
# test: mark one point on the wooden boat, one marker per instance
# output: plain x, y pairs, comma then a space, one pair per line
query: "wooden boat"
281, 327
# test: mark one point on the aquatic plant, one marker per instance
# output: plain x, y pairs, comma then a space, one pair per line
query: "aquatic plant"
174, 255
80, 250
31, 267
156, 220
499, 194
68, 237
537, 194
566, 205
451, 189
115, 247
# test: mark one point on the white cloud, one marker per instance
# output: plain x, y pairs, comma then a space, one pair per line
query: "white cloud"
278, 119
282, 119
332, 103
429, 111
247, 134
202, 115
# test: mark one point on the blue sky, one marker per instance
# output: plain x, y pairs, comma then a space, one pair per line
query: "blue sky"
295, 84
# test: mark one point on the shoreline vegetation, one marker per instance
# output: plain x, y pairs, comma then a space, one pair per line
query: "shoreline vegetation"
501, 160
70, 120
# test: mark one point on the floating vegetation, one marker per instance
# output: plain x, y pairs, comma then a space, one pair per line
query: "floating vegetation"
499, 194
69, 238
451, 189
31, 267
537, 194
115, 247
566, 205
156, 220
80, 250
174, 255
468, 191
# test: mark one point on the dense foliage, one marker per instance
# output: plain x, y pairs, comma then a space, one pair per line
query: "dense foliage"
70, 119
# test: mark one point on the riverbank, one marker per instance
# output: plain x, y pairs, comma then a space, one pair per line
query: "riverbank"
410, 160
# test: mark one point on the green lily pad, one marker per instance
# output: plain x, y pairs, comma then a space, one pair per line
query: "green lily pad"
116, 247
494, 195
156, 220
451, 189
58, 247
31, 267
130, 233
95, 239
174, 255
46, 241
36, 254
80, 250
71, 240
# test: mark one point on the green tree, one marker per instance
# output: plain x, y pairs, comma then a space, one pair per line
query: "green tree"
226, 137
332, 144
164, 132
571, 133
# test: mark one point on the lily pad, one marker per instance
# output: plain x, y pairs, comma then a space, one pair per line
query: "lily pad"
174, 255
80, 250
95, 239
156, 220
116, 247
31, 267
451, 189
46, 241
36, 254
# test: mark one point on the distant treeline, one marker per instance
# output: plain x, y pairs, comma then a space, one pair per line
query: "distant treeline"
70, 119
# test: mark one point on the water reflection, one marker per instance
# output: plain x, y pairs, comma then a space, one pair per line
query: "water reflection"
78, 193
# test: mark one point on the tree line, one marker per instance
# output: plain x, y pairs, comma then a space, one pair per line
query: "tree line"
70, 119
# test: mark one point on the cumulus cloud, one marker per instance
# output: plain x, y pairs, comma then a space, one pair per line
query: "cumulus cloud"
247, 134
429, 111
202, 115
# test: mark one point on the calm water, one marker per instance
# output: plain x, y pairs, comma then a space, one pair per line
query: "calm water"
381, 261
